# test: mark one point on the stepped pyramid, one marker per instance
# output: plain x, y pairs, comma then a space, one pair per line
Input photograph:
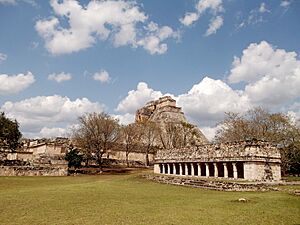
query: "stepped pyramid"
164, 111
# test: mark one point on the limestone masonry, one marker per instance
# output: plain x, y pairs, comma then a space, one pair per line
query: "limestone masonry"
164, 111
250, 160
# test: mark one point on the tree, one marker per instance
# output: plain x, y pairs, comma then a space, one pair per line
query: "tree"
260, 124
150, 133
74, 158
96, 134
131, 136
178, 135
9, 133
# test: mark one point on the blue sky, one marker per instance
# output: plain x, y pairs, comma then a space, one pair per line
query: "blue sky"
59, 59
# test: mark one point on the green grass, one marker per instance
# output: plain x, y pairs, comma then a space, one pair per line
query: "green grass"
129, 199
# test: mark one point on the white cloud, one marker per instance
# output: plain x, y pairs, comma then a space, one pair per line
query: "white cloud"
214, 7
214, 25
122, 22
189, 18
60, 77
207, 101
102, 76
41, 114
125, 119
53, 132
3, 57
12, 84
152, 42
285, 4
272, 75
137, 98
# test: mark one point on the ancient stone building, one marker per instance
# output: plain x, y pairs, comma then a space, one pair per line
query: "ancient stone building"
250, 160
165, 112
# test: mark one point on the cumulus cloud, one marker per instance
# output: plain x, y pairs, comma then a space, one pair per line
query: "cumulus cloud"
125, 119
122, 22
53, 132
102, 76
272, 75
12, 84
42, 114
207, 101
204, 104
214, 7
3, 57
137, 98
60, 77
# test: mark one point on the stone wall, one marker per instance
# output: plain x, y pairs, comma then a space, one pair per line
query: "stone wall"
33, 171
133, 156
238, 151
212, 184
250, 160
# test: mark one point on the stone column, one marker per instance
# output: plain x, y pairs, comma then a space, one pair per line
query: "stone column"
180, 169
168, 164
225, 170
215, 170
163, 168
186, 169
199, 169
174, 169
192, 169
207, 170
235, 174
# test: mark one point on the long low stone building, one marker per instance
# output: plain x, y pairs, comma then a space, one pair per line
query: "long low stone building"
249, 160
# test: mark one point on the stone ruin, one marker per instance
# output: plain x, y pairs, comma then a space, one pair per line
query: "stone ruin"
250, 160
164, 111
36, 157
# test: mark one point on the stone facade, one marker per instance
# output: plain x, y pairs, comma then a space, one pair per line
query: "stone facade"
163, 112
250, 160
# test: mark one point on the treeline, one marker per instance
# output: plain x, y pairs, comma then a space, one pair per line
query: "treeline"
260, 124
98, 133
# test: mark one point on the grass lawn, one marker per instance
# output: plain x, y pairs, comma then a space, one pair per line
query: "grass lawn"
128, 199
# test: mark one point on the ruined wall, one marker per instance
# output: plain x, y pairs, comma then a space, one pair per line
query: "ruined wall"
133, 156
33, 171
238, 151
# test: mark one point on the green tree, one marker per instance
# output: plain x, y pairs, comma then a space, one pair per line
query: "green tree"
74, 158
9, 133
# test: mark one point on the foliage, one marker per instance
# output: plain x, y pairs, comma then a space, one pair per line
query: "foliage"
260, 124
74, 158
96, 134
9, 133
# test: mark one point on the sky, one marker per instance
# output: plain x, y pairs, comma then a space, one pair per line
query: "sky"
60, 59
